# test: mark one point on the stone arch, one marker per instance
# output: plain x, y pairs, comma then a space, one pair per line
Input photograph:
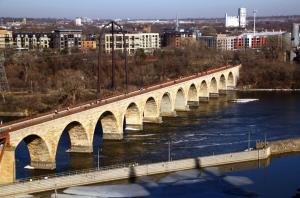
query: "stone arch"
213, 86
193, 94
151, 113
166, 108
78, 137
203, 89
222, 83
39, 152
133, 117
230, 79
110, 127
180, 101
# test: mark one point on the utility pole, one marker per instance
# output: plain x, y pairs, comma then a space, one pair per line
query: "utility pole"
99, 66
113, 56
169, 150
126, 61
98, 160
249, 140
112, 25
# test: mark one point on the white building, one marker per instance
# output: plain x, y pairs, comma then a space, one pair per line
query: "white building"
231, 21
147, 41
78, 21
242, 17
239, 21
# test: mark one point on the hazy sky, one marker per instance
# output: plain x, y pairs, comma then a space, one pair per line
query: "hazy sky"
143, 8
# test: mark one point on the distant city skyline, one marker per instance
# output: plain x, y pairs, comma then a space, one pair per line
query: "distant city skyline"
143, 9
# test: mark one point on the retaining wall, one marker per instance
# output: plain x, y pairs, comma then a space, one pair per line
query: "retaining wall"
95, 176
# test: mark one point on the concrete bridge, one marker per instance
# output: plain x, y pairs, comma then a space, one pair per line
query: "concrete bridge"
43, 132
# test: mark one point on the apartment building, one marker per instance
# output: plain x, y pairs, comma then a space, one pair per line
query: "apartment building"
67, 39
89, 42
6, 39
178, 39
134, 41
32, 40
243, 41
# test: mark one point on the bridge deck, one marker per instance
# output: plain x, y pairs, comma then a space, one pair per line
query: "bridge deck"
40, 118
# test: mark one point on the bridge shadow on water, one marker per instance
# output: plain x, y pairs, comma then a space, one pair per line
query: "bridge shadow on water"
198, 182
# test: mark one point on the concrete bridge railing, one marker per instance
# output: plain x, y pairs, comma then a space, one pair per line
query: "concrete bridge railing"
111, 116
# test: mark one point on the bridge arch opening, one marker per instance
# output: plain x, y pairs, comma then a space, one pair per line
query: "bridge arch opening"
73, 140
133, 118
180, 101
213, 86
150, 108
33, 151
222, 82
230, 79
166, 105
109, 123
203, 89
193, 95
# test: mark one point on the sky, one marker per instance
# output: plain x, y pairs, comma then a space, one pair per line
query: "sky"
143, 9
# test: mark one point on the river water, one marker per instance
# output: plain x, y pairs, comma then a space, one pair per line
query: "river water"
219, 126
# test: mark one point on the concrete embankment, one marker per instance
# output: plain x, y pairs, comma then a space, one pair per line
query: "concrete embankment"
97, 176
268, 90
281, 146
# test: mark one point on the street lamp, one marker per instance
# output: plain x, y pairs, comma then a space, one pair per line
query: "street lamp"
98, 157
249, 136
169, 150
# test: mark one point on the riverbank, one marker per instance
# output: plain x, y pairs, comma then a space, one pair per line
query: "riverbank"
267, 90
281, 146
131, 171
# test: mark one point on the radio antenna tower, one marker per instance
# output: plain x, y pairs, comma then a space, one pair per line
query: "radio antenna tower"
254, 21
4, 87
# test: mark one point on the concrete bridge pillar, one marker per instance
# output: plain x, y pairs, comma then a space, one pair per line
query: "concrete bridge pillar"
214, 95
7, 166
222, 92
203, 99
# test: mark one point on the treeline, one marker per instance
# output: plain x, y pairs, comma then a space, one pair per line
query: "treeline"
40, 81
267, 71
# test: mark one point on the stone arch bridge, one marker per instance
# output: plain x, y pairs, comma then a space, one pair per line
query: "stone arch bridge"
42, 133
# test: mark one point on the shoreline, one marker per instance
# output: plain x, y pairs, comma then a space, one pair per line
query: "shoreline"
268, 90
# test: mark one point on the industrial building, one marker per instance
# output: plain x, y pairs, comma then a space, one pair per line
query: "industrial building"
239, 21
134, 41
6, 39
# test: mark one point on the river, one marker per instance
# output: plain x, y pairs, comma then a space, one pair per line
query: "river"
219, 126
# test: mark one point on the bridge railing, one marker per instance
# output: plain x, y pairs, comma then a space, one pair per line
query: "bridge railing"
39, 118
69, 173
